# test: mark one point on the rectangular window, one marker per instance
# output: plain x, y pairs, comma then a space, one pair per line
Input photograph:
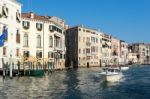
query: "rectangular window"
88, 39
96, 40
79, 29
93, 49
100, 40
17, 52
26, 53
25, 24
39, 26
83, 51
17, 36
50, 28
79, 38
87, 50
39, 54
79, 50
4, 50
97, 49
61, 56
88, 57
50, 55
83, 39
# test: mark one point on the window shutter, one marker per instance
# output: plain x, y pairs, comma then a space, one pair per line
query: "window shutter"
25, 24
39, 26
40, 54
18, 16
5, 10
28, 24
49, 54
50, 28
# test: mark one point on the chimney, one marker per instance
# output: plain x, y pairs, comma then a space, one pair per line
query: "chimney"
31, 15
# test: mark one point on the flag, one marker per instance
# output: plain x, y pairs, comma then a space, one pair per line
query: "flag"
1, 43
4, 34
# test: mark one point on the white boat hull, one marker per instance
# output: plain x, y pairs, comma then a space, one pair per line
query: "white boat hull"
112, 77
111, 74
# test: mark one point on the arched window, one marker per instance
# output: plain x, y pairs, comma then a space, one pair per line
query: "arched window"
25, 40
50, 41
39, 41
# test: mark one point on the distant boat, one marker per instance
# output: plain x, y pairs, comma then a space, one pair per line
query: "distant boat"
111, 74
124, 68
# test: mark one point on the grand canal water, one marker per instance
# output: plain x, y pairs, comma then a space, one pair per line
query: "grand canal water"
85, 83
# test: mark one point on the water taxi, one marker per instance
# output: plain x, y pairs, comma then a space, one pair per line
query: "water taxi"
111, 74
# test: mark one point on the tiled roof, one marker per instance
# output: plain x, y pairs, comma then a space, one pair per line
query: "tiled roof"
36, 17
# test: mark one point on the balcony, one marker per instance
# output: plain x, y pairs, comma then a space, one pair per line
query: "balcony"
53, 28
58, 48
94, 53
58, 35
88, 54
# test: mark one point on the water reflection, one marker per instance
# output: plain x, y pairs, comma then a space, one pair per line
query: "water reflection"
73, 87
24, 87
78, 84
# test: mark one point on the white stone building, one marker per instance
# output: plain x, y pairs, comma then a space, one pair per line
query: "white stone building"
10, 17
43, 38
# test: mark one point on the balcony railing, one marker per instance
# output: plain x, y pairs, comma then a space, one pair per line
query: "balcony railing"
88, 54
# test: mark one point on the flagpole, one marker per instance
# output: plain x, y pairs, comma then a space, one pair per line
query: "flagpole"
3, 37
43, 48
10, 70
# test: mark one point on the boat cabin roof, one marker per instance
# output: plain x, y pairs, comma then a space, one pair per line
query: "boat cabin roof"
112, 69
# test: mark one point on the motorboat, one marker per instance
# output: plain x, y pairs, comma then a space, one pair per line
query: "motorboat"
111, 74
124, 68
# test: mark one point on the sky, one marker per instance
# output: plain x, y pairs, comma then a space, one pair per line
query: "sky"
127, 20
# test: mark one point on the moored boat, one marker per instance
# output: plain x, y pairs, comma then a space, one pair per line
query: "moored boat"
35, 73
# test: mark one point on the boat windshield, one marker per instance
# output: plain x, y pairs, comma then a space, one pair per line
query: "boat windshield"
111, 70
117, 70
